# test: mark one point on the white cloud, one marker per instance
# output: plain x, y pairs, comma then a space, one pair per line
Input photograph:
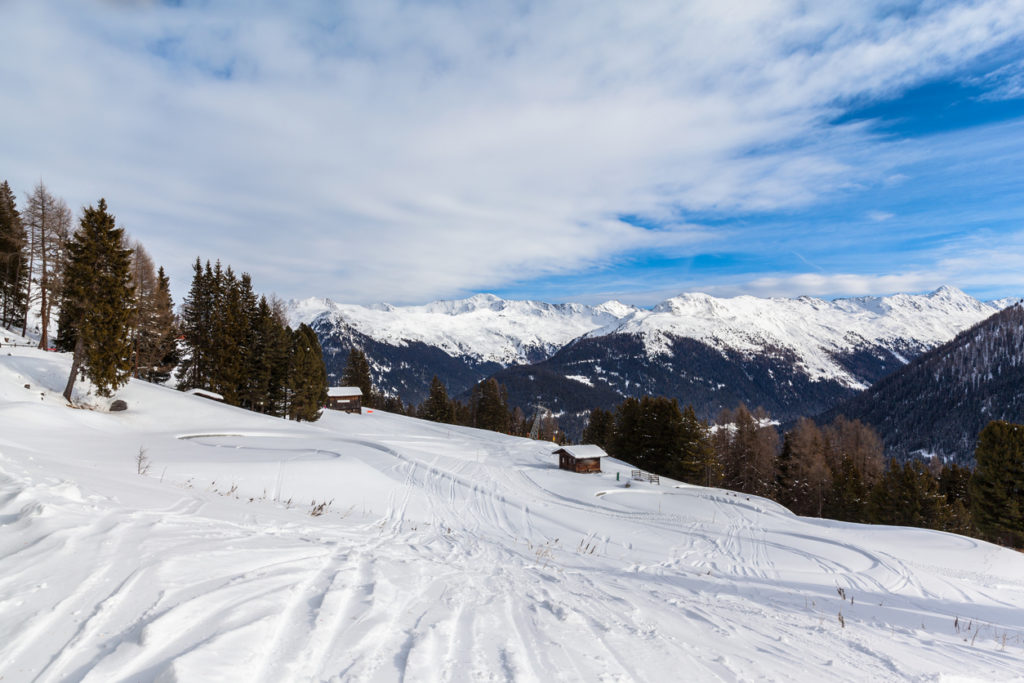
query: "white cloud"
880, 216
405, 151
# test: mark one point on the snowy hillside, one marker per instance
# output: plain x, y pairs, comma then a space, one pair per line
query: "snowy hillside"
444, 554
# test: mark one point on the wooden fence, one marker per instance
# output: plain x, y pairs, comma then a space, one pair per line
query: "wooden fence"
640, 475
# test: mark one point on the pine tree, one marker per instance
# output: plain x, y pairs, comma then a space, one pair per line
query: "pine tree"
166, 350
197, 314
847, 495
954, 483
251, 343
438, 407
14, 271
490, 406
658, 442
278, 341
99, 300
907, 495
697, 464
308, 377
997, 485
599, 428
230, 332
259, 364
153, 326
357, 374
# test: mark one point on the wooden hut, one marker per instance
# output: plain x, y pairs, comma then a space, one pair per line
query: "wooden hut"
348, 399
203, 393
580, 458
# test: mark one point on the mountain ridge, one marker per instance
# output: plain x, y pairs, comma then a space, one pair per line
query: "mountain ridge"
939, 402
796, 356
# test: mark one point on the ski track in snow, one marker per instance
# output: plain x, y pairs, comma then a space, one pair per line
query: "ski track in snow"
448, 554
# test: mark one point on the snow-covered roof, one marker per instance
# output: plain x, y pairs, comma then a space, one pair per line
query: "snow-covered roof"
588, 451
344, 392
206, 394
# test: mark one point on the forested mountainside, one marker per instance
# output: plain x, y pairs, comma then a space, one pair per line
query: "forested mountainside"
940, 401
598, 372
402, 370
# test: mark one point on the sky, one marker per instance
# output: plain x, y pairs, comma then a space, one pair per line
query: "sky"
565, 150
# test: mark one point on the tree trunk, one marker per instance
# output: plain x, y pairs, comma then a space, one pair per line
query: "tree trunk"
43, 341
76, 362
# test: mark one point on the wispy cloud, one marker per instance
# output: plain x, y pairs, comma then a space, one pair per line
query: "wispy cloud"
405, 151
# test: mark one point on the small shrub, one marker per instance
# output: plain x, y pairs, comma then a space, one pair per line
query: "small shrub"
142, 463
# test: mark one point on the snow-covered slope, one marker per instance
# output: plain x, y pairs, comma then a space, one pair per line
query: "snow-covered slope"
445, 554
815, 330
483, 327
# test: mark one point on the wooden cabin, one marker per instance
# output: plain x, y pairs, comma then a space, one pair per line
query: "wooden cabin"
580, 458
347, 399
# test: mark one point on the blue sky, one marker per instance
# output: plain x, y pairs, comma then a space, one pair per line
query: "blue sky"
563, 151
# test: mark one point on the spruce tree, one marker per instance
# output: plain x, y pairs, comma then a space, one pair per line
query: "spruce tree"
197, 314
230, 331
357, 374
625, 432
278, 340
997, 485
259, 363
599, 428
166, 350
251, 342
490, 407
907, 495
438, 407
99, 300
847, 496
697, 462
657, 444
308, 377
14, 270
153, 327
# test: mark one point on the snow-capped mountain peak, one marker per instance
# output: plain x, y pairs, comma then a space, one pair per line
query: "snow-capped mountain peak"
814, 330
488, 328
484, 327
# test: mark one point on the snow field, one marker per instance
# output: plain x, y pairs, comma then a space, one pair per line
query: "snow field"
446, 554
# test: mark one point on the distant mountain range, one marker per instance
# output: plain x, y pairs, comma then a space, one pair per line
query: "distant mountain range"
937, 403
793, 356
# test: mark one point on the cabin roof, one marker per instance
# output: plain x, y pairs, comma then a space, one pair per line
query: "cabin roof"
344, 392
207, 394
588, 451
